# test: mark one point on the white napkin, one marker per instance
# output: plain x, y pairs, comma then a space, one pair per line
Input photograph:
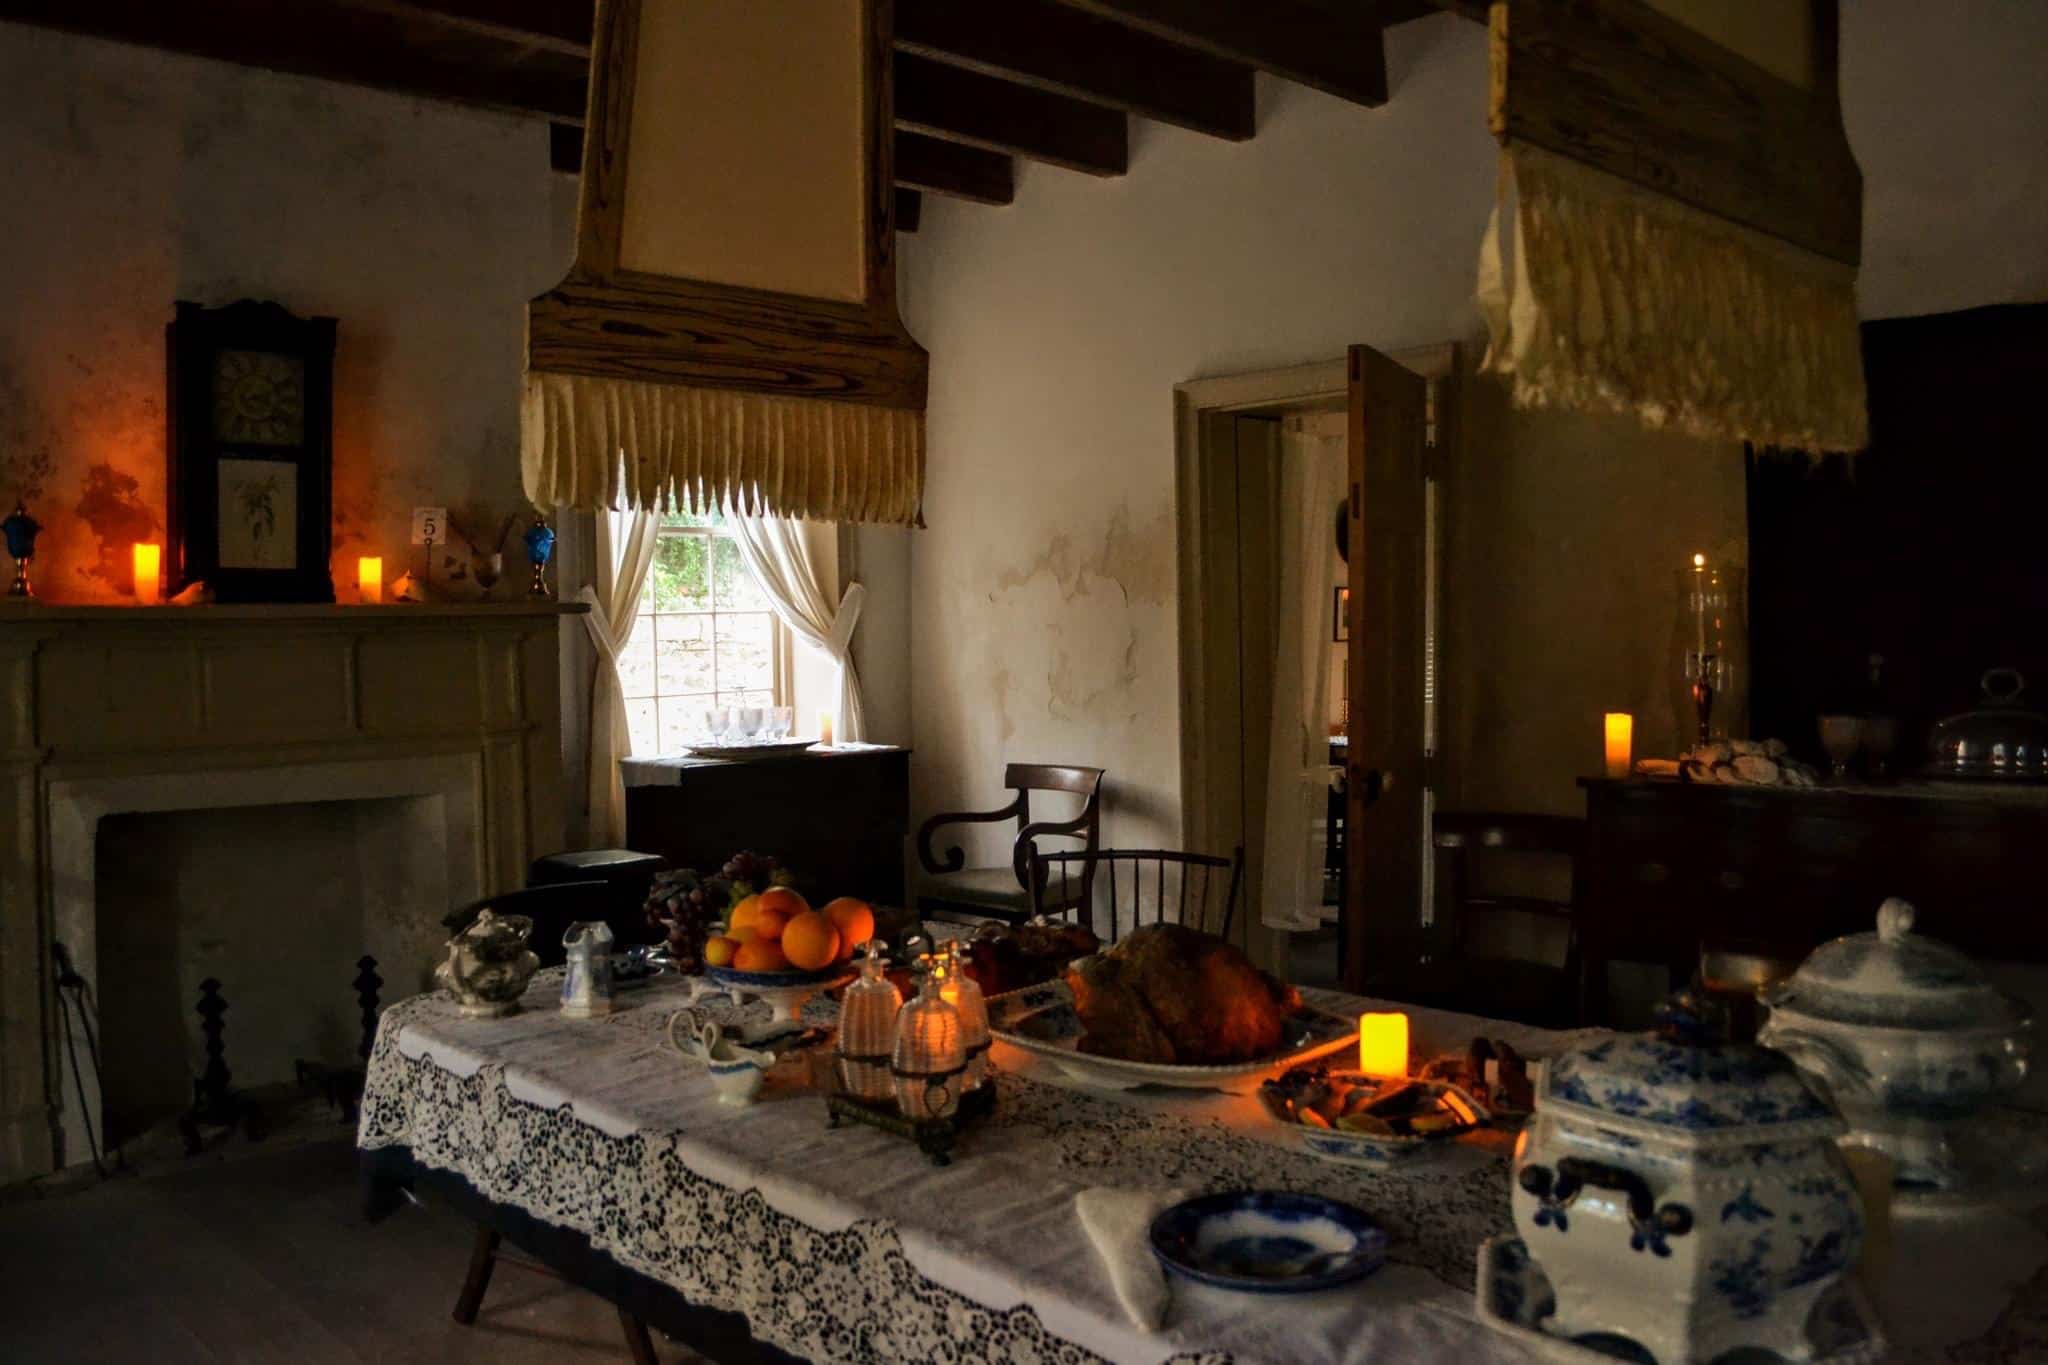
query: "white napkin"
1119, 1222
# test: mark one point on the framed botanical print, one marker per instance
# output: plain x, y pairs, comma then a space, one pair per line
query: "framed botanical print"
251, 407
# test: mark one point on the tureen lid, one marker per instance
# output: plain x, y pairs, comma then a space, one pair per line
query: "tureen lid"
1687, 1084
1894, 978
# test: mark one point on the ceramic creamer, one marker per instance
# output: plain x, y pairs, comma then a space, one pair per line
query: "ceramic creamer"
1684, 1192
587, 982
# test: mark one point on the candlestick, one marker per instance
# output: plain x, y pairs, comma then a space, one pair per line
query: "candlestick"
370, 578
825, 729
149, 574
1383, 1044
1620, 729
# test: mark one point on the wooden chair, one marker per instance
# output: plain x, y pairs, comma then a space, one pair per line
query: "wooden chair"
484, 1257
553, 909
1067, 881
952, 890
1471, 977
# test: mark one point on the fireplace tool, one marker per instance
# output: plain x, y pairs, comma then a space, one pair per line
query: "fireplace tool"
72, 990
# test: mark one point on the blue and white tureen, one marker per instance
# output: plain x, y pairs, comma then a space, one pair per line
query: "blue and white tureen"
1684, 1192
1907, 1035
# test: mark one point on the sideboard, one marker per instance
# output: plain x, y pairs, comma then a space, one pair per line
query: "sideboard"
1672, 867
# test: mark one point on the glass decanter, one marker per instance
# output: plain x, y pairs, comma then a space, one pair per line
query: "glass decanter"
963, 993
930, 1058
867, 1028
1711, 642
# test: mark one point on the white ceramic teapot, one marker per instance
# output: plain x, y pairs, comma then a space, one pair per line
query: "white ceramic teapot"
1684, 1192
1907, 1035
489, 964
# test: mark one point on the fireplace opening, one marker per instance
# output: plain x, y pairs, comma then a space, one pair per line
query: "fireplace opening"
275, 902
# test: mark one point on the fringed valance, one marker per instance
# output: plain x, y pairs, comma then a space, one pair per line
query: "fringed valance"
591, 442
1601, 295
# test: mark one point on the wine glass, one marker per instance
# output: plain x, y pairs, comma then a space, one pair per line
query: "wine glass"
753, 719
1841, 736
780, 719
1880, 737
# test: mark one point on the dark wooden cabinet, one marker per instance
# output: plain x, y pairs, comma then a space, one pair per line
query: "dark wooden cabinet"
1671, 866
838, 817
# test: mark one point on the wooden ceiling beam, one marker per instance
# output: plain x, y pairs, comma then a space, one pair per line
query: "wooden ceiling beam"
927, 163
1339, 51
560, 26
959, 105
1049, 47
355, 46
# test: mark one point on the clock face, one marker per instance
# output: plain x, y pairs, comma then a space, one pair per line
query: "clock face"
259, 398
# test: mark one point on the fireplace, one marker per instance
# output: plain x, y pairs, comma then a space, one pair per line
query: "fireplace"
259, 795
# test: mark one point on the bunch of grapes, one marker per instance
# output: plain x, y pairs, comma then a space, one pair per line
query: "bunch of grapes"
684, 906
746, 873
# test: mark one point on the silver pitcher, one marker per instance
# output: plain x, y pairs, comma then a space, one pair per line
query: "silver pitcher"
587, 985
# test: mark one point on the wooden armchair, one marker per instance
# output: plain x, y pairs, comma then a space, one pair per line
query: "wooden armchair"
949, 889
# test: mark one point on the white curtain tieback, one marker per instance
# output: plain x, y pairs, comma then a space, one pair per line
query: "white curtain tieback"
840, 641
594, 622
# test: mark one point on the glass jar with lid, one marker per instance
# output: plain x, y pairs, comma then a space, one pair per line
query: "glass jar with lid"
963, 993
867, 1028
930, 1058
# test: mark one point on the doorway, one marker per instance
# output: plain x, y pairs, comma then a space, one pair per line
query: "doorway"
1271, 470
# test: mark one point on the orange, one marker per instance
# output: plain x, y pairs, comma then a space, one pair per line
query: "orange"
809, 941
784, 899
855, 921
718, 951
742, 914
768, 923
746, 933
760, 957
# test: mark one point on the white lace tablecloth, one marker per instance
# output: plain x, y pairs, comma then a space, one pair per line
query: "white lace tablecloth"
846, 1244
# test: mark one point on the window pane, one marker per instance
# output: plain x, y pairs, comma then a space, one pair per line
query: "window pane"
636, 660
736, 588
682, 722
682, 654
746, 658
747, 697
681, 577
640, 725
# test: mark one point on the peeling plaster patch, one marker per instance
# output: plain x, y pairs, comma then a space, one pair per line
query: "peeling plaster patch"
999, 697
118, 519
1139, 564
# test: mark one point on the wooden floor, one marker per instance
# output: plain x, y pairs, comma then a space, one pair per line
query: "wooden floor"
267, 1258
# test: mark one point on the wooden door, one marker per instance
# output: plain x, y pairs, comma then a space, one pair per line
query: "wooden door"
1386, 816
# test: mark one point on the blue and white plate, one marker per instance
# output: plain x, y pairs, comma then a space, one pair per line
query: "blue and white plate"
1268, 1241
754, 981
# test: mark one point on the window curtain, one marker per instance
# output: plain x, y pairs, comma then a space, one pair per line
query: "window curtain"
773, 550
1299, 773
625, 554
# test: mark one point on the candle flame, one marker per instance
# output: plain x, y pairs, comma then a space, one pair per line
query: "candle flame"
1699, 561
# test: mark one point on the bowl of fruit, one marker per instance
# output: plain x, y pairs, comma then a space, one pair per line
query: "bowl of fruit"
1368, 1120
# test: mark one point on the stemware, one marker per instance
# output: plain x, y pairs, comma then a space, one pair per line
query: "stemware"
780, 719
752, 721
1841, 736
1880, 737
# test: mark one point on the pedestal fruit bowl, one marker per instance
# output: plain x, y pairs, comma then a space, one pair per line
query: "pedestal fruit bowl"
1684, 1192
1909, 1038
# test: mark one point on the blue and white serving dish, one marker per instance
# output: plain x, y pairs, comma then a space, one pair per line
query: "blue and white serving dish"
1516, 1300
1684, 1193
1908, 1036
1268, 1242
1042, 1020
1450, 1111
785, 994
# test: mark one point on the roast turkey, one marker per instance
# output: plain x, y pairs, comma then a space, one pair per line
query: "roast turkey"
1178, 996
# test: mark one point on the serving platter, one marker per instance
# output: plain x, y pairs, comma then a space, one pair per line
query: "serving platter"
1283, 1098
1268, 1241
1041, 1020
785, 994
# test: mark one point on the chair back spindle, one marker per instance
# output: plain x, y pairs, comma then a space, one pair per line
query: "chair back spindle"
1107, 889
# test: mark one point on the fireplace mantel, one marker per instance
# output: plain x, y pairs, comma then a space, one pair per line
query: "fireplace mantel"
246, 705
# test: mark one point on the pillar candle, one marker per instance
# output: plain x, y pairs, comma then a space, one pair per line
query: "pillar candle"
825, 728
149, 573
1621, 727
1383, 1044
370, 578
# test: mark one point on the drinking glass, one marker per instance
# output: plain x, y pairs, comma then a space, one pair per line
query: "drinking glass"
753, 719
718, 723
1841, 736
1880, 737
780, 719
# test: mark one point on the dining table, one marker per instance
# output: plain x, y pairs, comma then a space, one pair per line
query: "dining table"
765, 1232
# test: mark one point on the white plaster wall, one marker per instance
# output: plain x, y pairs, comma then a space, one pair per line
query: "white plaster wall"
1043, 590
138, 177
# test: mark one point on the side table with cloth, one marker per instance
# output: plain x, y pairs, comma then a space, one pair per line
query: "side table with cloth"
844, 1244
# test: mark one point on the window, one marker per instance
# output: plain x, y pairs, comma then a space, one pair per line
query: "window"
704, 637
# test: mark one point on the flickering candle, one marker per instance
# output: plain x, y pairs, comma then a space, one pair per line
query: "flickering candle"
149, 573
825, 728
370, 578
1621, 727
1383, 1044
